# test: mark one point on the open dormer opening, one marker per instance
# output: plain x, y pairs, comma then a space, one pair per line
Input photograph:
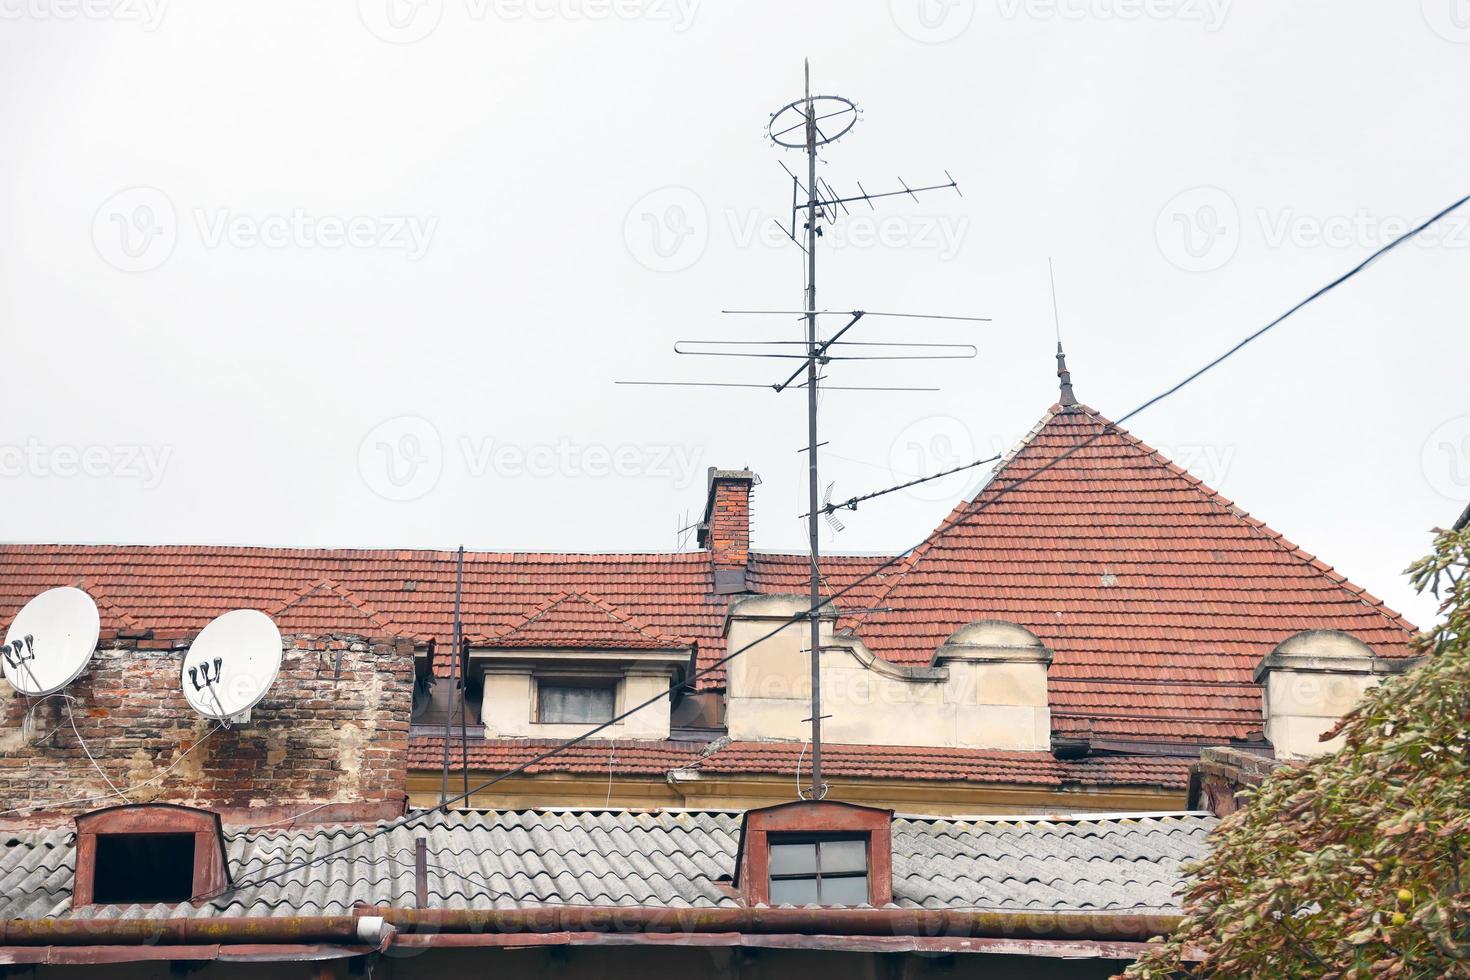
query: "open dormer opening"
149, 854
143, 869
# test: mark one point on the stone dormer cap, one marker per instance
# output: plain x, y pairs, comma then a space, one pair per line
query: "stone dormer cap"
1328, 652
996, 641
773, 608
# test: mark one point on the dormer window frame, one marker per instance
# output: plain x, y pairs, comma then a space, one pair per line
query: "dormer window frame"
512, 677
210, 873
813, 822
600, 678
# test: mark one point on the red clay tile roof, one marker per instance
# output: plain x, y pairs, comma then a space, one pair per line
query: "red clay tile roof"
326, 607
175, 590
634, 758
570, 619
1157, 595
627, 757
969, 765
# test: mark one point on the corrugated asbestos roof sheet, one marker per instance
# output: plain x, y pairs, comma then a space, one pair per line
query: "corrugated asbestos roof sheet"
668, 858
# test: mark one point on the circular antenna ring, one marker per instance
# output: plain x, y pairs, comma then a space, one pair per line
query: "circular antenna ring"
834, 116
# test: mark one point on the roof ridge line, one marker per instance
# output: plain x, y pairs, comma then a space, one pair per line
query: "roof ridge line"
613, 612
910, 561
1268, 533
349, 597
623, 616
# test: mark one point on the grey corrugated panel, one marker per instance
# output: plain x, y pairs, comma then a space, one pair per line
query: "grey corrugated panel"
506, 859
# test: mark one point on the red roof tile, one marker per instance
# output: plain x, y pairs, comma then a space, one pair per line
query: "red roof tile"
1157, 595
626, 757
632, 758
948, 765
570, 619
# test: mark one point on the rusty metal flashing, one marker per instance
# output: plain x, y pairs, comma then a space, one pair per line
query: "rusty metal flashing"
1057, 948
415, 926
243, 953
316, 952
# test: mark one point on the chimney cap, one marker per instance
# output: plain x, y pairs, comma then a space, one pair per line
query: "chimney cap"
715, 473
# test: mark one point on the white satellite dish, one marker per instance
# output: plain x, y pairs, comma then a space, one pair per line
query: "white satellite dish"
231, 665
50, 642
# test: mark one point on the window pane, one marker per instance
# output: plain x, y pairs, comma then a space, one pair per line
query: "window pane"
582, 705
845, 891
794, 891
794, 859
844, 855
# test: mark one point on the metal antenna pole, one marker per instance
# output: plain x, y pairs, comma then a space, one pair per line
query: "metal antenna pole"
811, 429
454, 676
804, 125
460, 648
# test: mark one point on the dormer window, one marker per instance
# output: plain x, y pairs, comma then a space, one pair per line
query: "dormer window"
588, 701
575, 661
149, 854
816, 870
816, 853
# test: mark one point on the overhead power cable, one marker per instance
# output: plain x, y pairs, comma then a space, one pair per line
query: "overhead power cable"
851, 502
970, 515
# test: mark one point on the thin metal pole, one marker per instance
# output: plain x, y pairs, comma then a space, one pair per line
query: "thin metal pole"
459, 648
811, 427
453, 675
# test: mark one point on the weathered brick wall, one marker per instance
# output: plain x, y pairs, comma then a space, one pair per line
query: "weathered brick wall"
324, 732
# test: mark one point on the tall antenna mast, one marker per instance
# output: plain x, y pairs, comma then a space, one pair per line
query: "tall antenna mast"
810, 122
818, 789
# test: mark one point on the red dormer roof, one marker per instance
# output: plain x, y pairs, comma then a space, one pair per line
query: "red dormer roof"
571, 619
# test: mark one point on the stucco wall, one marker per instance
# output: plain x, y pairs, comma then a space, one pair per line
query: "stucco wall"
1309, 682
509, 708
987, 688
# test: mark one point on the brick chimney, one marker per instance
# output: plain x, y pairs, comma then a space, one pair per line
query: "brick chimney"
725, 530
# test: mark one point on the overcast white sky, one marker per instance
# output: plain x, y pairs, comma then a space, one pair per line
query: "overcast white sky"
363, 274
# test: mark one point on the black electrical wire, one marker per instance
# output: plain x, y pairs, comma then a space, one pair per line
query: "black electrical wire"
943, 529
851, 502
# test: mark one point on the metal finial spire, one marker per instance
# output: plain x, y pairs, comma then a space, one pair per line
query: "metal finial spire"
1065, 377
